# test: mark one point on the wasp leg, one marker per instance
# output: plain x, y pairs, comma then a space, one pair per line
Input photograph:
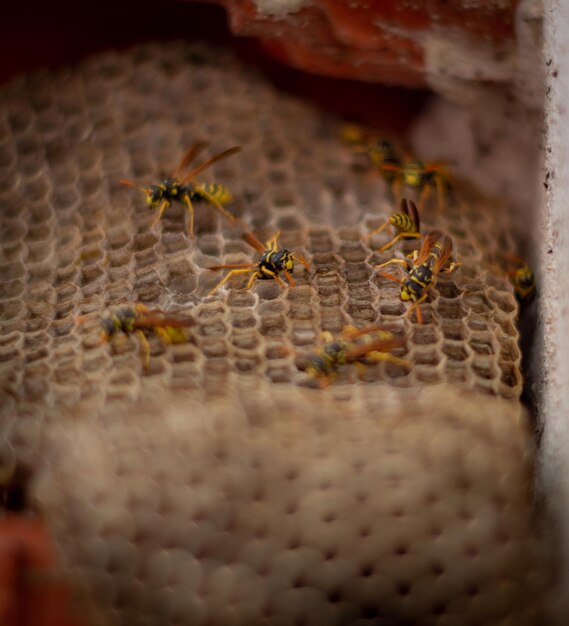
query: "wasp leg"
399, 237
350, 332
234, 273
190, 207
396, 190
440, 193
390, 277
218, 206
302, 260
324, 382
413, 256
145, 347
272, 243
514, 259
290, 279
165, 204
415, 307
378, 230
390, 358
451, 268
405, 264
425, 193
162, 333
251, 281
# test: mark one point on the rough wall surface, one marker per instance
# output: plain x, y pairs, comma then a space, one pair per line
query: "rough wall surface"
74, 242
552, 366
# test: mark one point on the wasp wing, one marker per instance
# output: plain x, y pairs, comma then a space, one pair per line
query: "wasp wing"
153, 318
445, 253
351, 332
209, 162
414, 216
387, 167
253, 242
190, 155
233, 266
434, 237
359, 350
131, 184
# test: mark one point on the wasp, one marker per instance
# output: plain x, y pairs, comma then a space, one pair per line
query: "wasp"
138, 320
522, 278
426, 175
363, 346
422, 269
406, 223
185, 189
381, 152
272, 262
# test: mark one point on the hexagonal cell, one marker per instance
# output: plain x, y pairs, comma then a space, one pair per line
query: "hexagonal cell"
212, 329
243, 319
457, 372
455, 350
451, 309
426, 356
273, 325
353, 252
393, 309
320, 242
448, 289
485, 368
427, 374
246, 362
454, 329
509, 350
481, 343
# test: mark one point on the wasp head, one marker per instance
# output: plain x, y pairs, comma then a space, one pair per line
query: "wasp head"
154, 195
524, 278
414, 173
315, 366
410, 290
524, 283
109, 326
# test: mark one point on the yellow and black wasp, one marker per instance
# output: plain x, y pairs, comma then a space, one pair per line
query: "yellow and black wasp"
422, 269
406, 223
138, 320
272, 262
426, 176
380, 151
522, 278
364, 346
186, 189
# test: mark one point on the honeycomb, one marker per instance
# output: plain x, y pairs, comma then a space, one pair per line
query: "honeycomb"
176, 542
289, 507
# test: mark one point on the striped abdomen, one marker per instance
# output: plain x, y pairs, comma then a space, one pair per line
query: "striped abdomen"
402, 223
205, 191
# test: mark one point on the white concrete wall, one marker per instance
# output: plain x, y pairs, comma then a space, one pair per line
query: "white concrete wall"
552, 375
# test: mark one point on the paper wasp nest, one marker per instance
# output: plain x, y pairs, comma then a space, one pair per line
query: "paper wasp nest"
236, 495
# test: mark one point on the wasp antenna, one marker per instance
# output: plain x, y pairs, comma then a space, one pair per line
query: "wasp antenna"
302, 260
132, 184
